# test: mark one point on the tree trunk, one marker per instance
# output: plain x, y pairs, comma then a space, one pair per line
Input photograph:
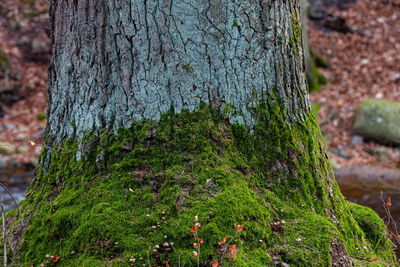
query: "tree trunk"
117, 62
304, 6
160, 112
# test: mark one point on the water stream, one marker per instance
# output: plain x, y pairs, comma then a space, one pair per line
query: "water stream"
16, 181
371, 186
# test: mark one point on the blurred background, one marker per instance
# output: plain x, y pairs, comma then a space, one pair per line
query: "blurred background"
353, 71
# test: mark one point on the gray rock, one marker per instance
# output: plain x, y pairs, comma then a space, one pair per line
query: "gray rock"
340, 153
21, 137
23, 149
23, 129
3, 163
357, 140
39, 46
7, 149
378, 120
9, 126
383, 155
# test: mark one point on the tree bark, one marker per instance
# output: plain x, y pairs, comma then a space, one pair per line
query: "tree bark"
176, 122
116, 62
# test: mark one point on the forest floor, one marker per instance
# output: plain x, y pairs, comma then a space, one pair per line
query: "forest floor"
25, 42
363, 63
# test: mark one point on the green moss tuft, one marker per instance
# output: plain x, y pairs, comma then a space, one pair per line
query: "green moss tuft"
373, 226
315, 78
296, 36
186, 67
41, 116
318, 60
4, 63
315, 108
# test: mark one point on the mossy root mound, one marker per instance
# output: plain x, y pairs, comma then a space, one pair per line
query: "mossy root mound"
133, 199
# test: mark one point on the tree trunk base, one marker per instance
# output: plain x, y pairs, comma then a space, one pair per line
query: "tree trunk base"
133, 198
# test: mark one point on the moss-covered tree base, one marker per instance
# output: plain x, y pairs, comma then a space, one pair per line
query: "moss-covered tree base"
135, 191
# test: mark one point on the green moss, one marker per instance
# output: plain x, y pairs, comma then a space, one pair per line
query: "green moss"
379, 120
4, 63
41, 116
143, 186
369, 222
16, 25
318, 60
295, 37
186, 67
315, 108
314, 77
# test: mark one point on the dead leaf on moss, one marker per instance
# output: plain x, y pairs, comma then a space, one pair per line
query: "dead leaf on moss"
54, 259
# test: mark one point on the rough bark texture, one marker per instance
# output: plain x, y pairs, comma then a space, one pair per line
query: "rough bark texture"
116, 62
161, 112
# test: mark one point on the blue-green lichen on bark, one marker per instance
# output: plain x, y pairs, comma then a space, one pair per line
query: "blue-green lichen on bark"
150, 181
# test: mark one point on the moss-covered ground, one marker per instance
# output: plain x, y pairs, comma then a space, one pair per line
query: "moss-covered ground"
142, 187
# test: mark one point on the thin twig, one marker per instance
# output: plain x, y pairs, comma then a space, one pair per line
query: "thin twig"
226, 248
4, 232
15, 201
391, 220
310, 248
11, 247
227, 244
389, 215
330, 116
360, 258
198, 249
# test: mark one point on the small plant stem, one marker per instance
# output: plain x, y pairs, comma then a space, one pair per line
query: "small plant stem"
12, 249
15, 202
148, 257
310, 248
179, 257
391, 221
360, 258
4, 232
198, 249
227, 245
